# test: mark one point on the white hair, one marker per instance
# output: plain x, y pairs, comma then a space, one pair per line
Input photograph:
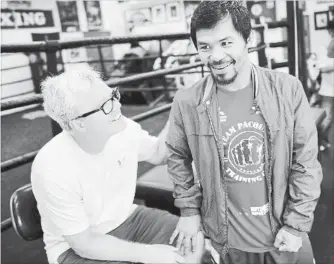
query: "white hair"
60, 93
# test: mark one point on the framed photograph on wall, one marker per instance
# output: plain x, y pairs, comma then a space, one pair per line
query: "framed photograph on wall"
93, 15
189, 8
158, 14
173, 11
68, 14
137, 18
320, 20
75, 55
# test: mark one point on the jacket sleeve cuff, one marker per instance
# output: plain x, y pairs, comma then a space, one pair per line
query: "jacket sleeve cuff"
294, 231
189, 211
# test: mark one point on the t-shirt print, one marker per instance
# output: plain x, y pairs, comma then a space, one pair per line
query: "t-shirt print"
244, 144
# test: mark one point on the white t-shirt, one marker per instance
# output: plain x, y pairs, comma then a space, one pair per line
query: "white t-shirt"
75, 190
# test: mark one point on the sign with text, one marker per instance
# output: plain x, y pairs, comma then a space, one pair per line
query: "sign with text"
26, 18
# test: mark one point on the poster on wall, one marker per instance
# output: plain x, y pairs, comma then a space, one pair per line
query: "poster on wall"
320, 20
75, 56
262, 12
97, 57
68, 14
189, 8
173, 11
159, 14
93, 14
137, 18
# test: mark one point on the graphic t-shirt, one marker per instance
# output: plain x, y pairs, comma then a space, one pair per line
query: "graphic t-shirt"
244, 144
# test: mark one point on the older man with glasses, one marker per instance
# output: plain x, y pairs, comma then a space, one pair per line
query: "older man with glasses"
84, 179
107, 106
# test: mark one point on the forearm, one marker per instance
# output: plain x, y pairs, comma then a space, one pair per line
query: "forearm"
109, 248
304, 181
305, 173
304, 193
187, 192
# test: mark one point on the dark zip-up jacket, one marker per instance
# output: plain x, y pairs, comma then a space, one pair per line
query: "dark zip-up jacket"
291, 166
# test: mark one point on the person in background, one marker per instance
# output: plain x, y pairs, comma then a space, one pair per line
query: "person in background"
84, 179
327, 92
254, 145
314, 79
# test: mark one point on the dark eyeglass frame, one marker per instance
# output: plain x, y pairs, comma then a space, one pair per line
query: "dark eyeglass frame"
112, 98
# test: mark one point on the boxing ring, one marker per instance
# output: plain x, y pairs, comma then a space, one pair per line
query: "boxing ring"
153, 187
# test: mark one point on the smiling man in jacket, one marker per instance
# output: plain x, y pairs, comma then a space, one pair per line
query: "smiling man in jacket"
250, 134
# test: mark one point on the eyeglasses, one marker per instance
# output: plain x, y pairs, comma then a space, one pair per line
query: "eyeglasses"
106, 107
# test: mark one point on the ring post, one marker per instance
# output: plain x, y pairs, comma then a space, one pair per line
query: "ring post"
290, 8
163, 79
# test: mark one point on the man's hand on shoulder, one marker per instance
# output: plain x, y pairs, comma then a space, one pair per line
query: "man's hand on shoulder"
153, 149
187, 230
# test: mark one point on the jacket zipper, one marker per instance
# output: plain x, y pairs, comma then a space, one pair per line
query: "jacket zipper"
225, 230
268, 156
268, 169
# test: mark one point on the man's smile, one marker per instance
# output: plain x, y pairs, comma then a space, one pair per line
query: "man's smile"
221, 66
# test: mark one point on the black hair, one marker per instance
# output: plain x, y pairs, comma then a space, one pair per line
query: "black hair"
134, 44
209, 13
330, 25
310, 54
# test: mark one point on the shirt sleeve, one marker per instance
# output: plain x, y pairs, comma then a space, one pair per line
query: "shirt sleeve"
61, 204
148, 146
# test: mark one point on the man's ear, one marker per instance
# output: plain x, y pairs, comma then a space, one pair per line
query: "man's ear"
78, 125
